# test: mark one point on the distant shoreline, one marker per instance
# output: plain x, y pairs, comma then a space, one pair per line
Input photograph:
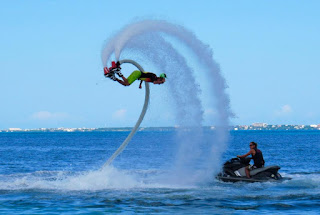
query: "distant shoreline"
253, 127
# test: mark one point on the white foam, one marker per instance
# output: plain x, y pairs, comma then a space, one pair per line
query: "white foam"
303, 180
106, 179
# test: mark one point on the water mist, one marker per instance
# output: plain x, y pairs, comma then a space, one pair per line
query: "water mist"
155, 40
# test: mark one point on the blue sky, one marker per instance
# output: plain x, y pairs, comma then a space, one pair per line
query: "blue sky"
51, 70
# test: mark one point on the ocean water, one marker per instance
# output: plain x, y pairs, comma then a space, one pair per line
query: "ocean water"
59, 173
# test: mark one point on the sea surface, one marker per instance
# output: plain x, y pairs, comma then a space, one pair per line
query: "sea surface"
60, 173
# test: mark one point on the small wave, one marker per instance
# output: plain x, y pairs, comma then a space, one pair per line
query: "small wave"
107, 178
306, 173
311, 180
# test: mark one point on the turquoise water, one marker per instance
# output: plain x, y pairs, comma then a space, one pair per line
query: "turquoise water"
58, 173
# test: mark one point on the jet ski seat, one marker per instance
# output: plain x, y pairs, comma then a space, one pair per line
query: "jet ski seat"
258, 170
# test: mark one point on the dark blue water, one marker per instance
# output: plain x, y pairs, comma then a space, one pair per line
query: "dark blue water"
58, 173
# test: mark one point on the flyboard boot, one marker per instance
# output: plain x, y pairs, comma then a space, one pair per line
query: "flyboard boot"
111, 71
117, 68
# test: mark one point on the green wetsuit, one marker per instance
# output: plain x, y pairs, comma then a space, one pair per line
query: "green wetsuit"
143, 76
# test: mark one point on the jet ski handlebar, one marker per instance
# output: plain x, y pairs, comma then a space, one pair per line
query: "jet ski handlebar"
245, 160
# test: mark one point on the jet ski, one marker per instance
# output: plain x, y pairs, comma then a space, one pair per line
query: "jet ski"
234, 170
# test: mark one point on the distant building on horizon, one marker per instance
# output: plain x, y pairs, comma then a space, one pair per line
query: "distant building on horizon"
15, 129
259, 124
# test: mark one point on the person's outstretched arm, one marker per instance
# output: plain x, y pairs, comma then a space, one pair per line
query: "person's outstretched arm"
243, 156
140, 84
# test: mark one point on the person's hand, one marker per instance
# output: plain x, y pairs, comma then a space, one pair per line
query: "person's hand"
140, 87
238, 156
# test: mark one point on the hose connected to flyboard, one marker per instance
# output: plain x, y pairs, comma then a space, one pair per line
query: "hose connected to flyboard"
143, 112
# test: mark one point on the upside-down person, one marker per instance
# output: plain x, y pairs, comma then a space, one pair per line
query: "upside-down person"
135, 75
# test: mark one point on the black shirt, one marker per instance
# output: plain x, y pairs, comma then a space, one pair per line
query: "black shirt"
258, 159
148, 77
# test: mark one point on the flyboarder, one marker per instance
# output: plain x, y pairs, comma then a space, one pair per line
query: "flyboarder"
135, 75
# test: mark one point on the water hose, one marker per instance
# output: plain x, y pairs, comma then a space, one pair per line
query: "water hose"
142, 114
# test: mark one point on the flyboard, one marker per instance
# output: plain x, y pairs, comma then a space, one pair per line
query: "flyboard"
142, 114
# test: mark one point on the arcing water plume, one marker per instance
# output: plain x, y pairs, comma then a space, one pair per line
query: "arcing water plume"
185, 92
150, 39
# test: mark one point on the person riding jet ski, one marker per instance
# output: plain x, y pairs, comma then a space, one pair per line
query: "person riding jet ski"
256, 156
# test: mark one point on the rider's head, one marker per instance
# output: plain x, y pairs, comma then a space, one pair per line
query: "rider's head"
161, 79
163, 75
253, 145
